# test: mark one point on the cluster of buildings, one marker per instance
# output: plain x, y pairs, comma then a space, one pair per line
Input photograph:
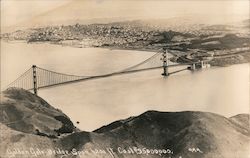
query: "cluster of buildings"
103, 34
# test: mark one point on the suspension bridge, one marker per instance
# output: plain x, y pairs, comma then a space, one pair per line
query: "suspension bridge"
38, 78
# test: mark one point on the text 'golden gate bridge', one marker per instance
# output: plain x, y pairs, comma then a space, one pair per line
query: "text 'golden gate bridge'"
38, 78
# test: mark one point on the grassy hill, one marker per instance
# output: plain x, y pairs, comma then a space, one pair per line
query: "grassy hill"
152, 134
23, 111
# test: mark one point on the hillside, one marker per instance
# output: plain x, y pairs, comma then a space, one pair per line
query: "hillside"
214, 135
13, 140
151, 134
27, 113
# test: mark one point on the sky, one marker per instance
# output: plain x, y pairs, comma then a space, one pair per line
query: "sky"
17, 11
23, 12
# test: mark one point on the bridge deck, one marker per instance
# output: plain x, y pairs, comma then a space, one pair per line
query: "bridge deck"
113, 74
38, 78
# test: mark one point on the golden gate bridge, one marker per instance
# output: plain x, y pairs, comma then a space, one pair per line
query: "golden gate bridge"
38, 78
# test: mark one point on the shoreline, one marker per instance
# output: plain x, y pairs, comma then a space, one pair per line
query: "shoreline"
218, 62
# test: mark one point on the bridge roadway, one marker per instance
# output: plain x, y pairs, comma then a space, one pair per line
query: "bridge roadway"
115, 74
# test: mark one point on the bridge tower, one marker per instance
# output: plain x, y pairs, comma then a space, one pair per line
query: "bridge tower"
165, 63
34, 79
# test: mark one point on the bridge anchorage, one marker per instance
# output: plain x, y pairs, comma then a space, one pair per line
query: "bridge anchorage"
199, 65
37, 78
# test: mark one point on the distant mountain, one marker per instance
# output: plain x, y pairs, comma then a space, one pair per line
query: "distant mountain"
169, 134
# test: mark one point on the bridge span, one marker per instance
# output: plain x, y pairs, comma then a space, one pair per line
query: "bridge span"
38, 78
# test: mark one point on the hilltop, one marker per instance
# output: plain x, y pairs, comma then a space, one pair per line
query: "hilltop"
188, 134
